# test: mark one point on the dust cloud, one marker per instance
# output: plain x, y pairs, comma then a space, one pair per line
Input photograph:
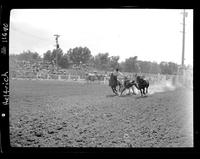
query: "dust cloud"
162, 87
168, 85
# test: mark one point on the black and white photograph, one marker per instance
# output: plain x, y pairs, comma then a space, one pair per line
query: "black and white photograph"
101, 78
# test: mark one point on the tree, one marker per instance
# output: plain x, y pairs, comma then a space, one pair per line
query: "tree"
130, 65
145, 66
57, 55
155, 69
172, 68
48, 56
91, 62
79, 55
101, 61
163, 67
64, 62
113, 62
168, 67
29, 56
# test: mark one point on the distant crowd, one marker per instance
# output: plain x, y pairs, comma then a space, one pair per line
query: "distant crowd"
41, 69
47, 70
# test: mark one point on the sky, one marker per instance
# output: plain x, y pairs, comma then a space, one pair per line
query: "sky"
150, 34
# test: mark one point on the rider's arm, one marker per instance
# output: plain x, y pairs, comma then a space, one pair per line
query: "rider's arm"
121, 74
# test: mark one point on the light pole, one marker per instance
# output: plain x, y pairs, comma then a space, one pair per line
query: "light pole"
57, 36
57, 47
183, 40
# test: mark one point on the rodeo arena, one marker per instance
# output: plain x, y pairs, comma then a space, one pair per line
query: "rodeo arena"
81, 107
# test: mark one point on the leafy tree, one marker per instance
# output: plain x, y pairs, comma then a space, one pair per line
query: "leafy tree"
168, 68
91, 62
113, 62
131, 65
173, 68
155, 69
145, 66
64, 62
79, 55
149, 67
164, 67
101, 61
48, 56
57, 55
29, 56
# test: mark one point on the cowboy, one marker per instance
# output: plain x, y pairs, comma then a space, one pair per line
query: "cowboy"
113, 81
117, 73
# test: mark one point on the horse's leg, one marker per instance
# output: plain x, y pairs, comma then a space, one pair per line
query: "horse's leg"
129, 91
141, 92
133, 90
123, 90
113, 89
121, 87
146, 89
119, 90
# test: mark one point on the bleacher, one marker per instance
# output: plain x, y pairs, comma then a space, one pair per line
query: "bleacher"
46, 70
42, 70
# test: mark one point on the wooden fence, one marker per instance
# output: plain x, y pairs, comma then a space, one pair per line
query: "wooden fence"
186, 79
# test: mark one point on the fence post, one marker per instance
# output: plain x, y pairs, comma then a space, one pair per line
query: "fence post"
59, 78
104, 80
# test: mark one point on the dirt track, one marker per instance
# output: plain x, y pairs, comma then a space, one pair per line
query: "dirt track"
63, 114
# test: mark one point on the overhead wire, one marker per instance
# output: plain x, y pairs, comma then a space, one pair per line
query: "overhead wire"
30, 35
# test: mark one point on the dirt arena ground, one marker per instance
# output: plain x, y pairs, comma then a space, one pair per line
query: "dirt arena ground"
72, 114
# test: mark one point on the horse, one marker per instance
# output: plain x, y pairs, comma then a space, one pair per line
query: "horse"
100, 77
90, 77
113, 83
128, 84
142, 85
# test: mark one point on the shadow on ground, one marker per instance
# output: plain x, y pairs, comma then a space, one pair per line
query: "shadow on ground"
111, 95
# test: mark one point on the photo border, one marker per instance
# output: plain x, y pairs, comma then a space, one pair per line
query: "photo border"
4, 65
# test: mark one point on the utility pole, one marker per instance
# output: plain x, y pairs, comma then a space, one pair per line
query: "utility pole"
183, 42
57, 47
57, 36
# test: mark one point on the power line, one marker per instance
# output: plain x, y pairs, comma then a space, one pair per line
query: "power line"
29, 34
